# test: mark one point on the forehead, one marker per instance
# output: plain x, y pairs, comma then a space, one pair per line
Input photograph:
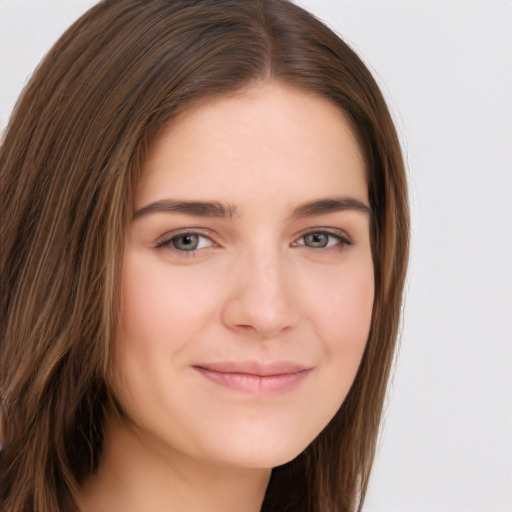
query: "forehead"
269, 139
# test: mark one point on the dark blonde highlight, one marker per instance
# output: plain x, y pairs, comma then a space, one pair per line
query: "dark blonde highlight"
69, 162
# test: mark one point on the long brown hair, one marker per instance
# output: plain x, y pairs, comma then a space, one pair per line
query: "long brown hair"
69, 162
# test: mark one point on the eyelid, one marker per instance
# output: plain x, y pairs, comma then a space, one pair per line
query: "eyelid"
344, 238
164, 242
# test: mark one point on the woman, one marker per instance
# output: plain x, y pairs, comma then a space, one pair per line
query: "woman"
204, 245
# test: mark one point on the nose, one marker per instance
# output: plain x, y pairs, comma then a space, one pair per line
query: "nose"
261, 297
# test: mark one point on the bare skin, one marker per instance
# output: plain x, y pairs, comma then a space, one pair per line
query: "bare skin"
246, 301
160, 484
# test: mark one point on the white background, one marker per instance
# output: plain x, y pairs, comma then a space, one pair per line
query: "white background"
446, 67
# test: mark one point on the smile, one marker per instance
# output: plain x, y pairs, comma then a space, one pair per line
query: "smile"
254, 378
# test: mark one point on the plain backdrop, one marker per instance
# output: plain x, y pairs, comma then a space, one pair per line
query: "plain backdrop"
446, 68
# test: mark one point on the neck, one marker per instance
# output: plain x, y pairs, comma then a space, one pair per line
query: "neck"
137, 474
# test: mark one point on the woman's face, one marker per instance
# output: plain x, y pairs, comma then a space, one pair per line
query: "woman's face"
247, 283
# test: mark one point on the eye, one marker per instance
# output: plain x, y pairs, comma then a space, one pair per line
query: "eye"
186, 242
323, 240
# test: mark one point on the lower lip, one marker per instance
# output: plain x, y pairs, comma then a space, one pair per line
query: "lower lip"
255, 384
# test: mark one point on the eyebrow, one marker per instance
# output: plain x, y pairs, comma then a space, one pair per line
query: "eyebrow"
330, 205
217, 209
196, 208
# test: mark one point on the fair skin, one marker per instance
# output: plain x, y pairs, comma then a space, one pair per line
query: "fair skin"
246, 300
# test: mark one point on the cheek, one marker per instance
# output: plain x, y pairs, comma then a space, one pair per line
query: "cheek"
341, 312
351, 307
159, 305
154, 317
341, 302
162, 310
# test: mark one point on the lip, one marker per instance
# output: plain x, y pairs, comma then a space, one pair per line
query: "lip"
256, 378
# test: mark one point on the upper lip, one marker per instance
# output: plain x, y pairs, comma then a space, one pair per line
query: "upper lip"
260, 368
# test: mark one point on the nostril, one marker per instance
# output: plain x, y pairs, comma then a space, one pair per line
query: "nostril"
261, 300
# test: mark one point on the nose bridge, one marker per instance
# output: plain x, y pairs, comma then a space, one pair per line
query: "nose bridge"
268, 275
263, 298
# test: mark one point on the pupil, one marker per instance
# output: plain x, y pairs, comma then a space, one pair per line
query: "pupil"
186, 242
317, 240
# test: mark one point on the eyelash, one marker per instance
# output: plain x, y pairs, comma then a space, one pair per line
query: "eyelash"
341, 241
167, 242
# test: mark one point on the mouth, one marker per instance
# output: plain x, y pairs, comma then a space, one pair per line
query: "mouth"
255, 378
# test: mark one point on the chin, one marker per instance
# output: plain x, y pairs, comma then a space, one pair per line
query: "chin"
263, 447
258, 457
